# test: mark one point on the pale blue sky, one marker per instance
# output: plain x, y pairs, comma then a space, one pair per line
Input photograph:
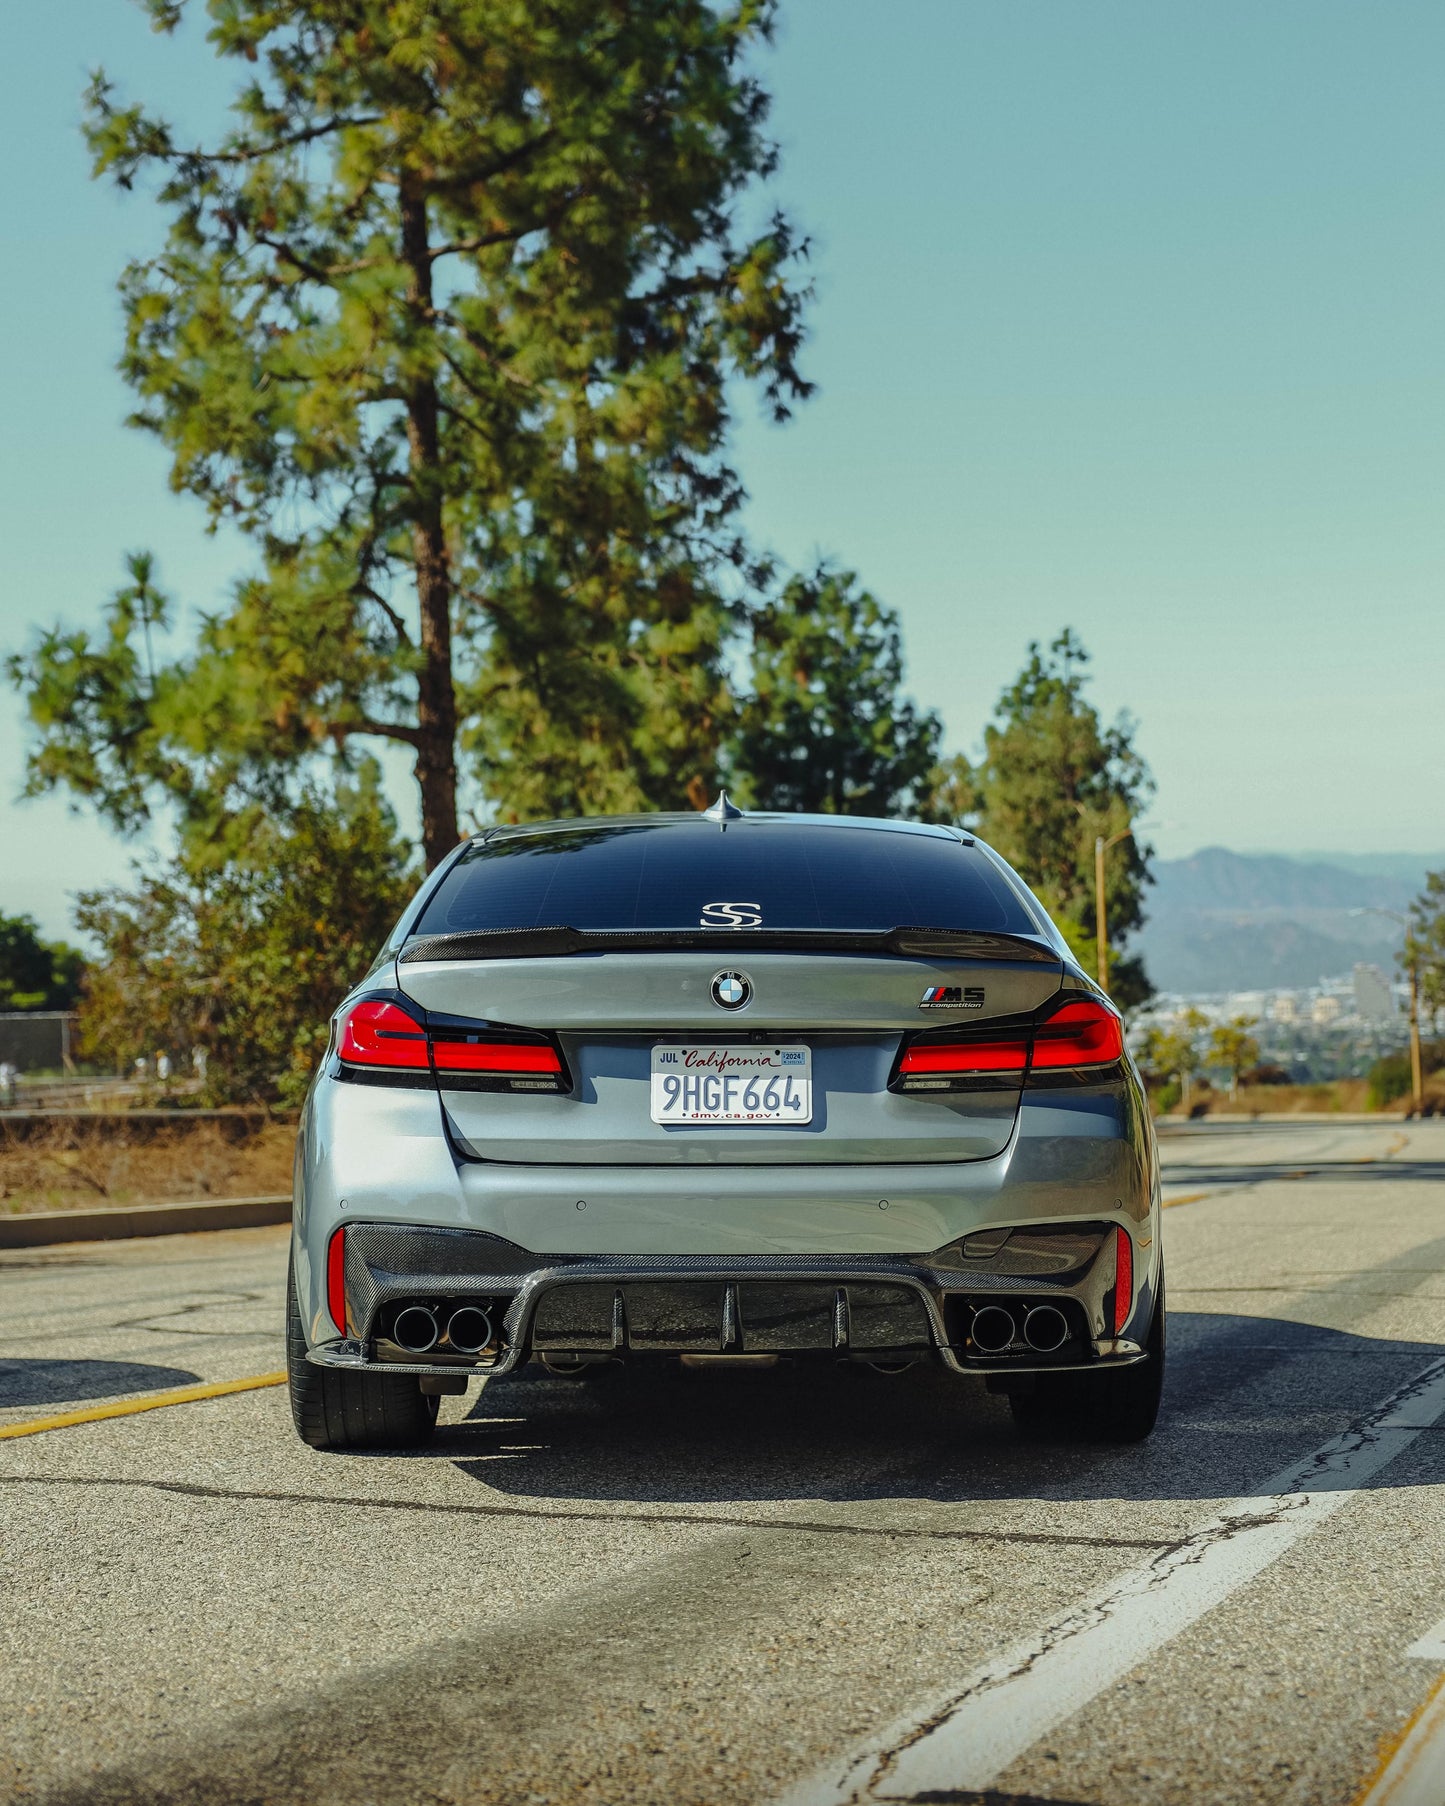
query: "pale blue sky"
1130, 317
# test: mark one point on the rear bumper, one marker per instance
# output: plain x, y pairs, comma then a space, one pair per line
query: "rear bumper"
380, 1155
381, 1163
881, 1309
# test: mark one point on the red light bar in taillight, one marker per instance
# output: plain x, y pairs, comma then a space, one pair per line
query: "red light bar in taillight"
498, 1059
1082, 1033
380, 1034
961, 1059
1123, 1279
336, 1278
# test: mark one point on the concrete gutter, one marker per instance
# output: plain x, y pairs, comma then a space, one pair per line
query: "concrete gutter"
39, 1228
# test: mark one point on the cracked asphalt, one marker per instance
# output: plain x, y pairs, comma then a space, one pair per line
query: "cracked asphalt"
711, 1589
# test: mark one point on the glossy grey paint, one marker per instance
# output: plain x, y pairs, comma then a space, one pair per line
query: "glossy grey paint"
607, 1121
369, 1153
670, 991
373, 1155
595, 999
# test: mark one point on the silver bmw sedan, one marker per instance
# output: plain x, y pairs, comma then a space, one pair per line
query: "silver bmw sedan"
724, 1088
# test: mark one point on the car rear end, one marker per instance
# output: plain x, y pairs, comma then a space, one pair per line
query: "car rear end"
730, 1088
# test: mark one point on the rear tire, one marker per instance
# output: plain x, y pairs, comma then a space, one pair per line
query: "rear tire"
1117, 1407
333, 1409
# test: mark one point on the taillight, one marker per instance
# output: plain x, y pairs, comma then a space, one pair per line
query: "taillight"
379, 1034
336, 1279
1123, 1279
498, 1059
938, 1065
1082, 1033
491, 1062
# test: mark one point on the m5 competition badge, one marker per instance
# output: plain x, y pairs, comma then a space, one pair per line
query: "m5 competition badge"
952, 997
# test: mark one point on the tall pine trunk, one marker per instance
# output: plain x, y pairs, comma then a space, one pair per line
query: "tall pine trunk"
436, 745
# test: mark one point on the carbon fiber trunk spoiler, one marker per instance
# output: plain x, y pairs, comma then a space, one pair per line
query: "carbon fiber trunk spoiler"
554, 942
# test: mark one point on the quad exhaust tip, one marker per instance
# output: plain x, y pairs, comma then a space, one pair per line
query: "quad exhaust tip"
418, 1329
469, 1329
995, 1329
992, 1329
1046, 1328
415, 1329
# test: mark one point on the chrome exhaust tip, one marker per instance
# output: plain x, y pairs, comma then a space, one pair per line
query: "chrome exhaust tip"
1046, 1328
469, 1329
992, 1329
415, 1329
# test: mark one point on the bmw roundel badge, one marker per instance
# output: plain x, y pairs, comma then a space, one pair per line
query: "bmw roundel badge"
730, 990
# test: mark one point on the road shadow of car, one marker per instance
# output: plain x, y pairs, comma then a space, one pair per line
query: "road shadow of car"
35, 1382
1245, 1396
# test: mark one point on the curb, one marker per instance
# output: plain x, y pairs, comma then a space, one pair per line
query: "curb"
39, 1228
1346, 1119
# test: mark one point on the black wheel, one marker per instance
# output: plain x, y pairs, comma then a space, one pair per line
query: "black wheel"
336, 1410
1104, 1407
1123, 1406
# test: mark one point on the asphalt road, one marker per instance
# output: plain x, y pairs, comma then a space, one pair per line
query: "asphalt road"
757, 1588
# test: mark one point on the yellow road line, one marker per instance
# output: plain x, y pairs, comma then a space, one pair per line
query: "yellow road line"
1397, 1777
1190, 1197
183, 1395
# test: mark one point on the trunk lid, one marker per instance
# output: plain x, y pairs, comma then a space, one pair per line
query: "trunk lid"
609, 1009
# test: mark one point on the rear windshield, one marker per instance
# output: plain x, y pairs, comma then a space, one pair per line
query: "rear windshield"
675, 875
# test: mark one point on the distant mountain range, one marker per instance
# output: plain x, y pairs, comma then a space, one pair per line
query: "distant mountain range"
1223, 921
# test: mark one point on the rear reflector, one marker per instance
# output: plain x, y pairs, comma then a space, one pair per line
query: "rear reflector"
336, 1279
500, 1059
1123, 1279
1082, 1033
381, 1034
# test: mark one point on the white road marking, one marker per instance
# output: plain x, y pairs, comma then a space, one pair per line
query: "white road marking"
1430, 1647
1416, 1772
967, 1737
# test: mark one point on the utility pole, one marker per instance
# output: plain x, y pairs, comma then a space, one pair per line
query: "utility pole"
1417, 1081
1101, 917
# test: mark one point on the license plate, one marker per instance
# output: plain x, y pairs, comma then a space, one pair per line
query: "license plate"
732, 1084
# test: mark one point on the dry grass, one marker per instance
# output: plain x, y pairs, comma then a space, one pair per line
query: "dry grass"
80, 1163
1348, 1097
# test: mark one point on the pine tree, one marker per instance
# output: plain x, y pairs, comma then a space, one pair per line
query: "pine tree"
446, 323
1053, 779
245, 964
824, 725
